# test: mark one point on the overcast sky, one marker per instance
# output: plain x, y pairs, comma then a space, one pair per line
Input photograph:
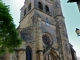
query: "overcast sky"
70, 12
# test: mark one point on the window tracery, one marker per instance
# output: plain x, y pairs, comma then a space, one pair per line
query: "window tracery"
46, 40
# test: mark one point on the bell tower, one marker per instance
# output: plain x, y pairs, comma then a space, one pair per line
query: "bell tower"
43, 31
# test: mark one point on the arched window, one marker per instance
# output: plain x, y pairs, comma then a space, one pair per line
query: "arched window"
28, 53
47, 9
40, 5
24, 11
29, 7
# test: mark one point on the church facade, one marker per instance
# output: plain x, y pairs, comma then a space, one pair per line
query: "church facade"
43, 31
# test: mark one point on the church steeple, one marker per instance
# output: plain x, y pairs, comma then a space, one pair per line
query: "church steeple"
43, 29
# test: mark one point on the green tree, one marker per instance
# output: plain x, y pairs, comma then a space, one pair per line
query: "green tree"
8, 35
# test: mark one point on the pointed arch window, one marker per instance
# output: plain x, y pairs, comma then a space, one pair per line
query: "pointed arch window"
29, 7
24, 11
28, 53
47, 8
40, 5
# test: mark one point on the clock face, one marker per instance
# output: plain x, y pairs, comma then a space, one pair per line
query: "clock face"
47, 22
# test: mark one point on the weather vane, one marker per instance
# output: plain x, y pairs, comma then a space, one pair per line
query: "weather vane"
77, 31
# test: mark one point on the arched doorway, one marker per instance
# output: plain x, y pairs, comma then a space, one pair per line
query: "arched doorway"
51, 55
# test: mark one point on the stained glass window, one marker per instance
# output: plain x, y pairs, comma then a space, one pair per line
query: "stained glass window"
46, 39
28, 53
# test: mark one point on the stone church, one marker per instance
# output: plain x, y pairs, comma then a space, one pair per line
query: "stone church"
43, 31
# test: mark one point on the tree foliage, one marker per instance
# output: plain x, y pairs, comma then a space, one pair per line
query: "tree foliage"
8, 35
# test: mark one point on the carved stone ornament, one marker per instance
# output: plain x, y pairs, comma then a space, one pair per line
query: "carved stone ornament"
26, 34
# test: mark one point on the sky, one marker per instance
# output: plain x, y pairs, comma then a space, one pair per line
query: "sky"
70, 12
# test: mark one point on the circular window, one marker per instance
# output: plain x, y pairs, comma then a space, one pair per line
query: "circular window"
46, 39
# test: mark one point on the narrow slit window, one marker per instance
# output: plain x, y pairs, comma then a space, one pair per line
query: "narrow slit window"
24, 11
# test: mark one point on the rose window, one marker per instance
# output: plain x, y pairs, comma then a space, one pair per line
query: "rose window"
46, 39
